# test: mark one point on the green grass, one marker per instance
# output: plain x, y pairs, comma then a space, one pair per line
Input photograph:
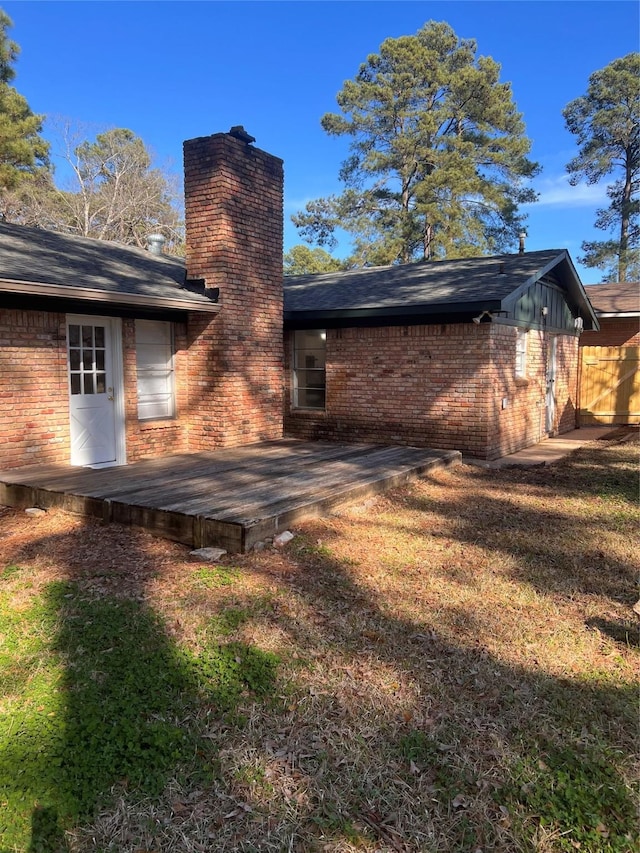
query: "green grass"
96, 694
215, 576
453, 670
577, 795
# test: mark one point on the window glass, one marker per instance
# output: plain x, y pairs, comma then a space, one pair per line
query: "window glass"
521, 353
309, 361
86, 346
154, 361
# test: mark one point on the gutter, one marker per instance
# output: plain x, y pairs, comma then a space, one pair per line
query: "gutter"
86, 294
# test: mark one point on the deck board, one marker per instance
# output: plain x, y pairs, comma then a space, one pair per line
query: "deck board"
231, 497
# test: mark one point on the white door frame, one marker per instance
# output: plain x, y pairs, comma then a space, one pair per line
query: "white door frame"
113, 328
552, 360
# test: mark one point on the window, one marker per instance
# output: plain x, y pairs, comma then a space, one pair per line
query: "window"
87, 359
521, 354
154, 360
309, 369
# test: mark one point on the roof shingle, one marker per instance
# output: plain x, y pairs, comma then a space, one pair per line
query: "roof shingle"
430, 283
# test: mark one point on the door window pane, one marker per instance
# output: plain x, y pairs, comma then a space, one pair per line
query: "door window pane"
74, 335
74, 359
87, 359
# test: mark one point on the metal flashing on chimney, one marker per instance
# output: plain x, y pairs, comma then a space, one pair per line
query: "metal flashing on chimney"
238, 132
199, 285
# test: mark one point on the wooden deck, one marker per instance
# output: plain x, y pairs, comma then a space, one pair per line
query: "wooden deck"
228, 498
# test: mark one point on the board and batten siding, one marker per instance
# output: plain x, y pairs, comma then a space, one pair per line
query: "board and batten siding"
528, 308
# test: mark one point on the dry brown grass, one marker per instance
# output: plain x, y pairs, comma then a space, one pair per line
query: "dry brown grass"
436, 644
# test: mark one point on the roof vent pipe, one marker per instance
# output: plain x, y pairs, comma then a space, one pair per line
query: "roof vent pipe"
522, 236
155, 242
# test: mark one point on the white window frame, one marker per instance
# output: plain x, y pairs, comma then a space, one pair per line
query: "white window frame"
301, 373
522, 337
155, 370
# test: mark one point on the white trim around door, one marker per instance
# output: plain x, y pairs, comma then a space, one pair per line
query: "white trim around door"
96, 394
552, 358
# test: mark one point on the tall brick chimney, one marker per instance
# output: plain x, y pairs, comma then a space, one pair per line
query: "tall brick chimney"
234, 222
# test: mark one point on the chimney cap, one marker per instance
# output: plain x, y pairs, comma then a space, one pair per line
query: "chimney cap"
238, 132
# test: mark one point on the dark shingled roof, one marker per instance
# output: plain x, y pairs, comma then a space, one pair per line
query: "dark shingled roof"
615, 298
33, 255
430, 284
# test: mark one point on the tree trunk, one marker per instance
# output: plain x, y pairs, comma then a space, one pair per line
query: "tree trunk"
625, 208
427, 240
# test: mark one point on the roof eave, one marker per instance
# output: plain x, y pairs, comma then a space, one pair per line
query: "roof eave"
390, 313
87, 294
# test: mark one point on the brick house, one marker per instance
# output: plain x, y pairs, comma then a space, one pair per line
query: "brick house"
610, 357
478, 355
109, 354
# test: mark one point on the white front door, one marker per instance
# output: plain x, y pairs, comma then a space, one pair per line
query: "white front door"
552, 349
96, 429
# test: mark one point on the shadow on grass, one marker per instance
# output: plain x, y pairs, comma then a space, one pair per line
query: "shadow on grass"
622, 632
110, 703
561, 736
488, 755
555, 548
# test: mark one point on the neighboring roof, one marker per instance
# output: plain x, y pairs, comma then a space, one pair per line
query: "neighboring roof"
615, 299
431, 287
51, 264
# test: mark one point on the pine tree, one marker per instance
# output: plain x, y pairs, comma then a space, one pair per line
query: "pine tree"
438, 155
23, 152
301, 260
606, 122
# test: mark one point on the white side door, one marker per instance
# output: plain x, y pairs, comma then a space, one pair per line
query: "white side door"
552, 349
96, 427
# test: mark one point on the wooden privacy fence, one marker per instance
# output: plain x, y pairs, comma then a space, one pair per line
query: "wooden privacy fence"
610, 385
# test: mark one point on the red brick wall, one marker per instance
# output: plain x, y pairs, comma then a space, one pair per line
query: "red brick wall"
439, 386
34, 393
522, 421
613, 333
234, 241
34, 401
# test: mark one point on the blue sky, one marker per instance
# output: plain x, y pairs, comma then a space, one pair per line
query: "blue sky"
171, 71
